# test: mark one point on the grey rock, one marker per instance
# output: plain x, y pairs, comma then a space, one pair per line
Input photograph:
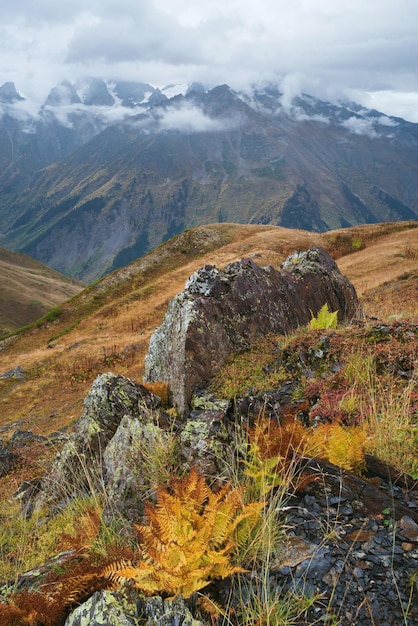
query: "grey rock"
205, 442
23, 438
170, 612
78, 468
16, 372
127, 608
105, 608
126, 479
223, 311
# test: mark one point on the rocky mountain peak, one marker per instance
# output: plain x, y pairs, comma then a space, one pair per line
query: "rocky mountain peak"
96, 92
9, 94
62, 94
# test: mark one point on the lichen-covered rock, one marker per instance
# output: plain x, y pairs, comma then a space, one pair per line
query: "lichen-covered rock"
205, 442
106, 608
16, 372
125, 477
126, 608
78, 468
223, 311
170, 612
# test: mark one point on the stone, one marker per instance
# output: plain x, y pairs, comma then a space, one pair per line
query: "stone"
170, 612
221, 312
78, 467
125, 608
105, 608
205, 442
24, 438
16, 372
126, 479
8, 460
408, 528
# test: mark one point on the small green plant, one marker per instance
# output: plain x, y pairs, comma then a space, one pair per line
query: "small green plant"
25, 543
357, 244
261, 605
160, 459
324, 319
392, 423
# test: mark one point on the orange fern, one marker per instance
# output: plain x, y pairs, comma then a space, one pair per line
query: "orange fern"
189, 538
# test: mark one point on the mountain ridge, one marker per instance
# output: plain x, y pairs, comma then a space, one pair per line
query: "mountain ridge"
120, 186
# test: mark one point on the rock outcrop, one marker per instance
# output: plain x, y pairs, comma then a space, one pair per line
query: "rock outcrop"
116, 410
124, 609
113, 449
223, 311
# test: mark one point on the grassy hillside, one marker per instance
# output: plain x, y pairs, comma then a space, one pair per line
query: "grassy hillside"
351, 405
107, 326
28, 289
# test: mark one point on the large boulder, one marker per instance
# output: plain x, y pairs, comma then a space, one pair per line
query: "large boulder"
223, 311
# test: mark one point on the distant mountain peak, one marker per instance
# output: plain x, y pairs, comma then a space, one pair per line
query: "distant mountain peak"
109, 169
62, 94
9, 94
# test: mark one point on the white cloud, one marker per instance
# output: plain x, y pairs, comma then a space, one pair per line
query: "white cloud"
360, 126
320, 46
189, 118
383, 120
398, 103
108, 115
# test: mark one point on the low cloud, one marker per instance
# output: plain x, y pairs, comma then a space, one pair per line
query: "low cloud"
300, 116
383, 120
107, 115
190, 118
24, 111
360, 126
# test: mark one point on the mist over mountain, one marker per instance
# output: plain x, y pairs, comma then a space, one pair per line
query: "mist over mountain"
103, 172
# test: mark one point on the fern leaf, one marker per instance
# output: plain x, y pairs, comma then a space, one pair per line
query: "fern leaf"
324, 319
188, 540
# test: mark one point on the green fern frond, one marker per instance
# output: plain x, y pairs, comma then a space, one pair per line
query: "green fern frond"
324, 319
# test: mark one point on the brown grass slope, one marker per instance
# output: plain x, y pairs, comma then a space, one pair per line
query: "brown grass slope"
28, 289
107, 326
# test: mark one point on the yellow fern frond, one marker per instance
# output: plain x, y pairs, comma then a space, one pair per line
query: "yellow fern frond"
188, 540
115, 572
324, 319
341, 445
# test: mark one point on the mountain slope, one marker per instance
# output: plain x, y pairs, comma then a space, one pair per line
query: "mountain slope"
208, 156
28, 289
108, 325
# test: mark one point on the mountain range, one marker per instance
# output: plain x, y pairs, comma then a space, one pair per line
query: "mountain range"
103, 172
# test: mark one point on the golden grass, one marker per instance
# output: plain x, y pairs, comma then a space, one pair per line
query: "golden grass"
116, 317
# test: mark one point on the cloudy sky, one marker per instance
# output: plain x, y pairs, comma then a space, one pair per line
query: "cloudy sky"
366, 50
